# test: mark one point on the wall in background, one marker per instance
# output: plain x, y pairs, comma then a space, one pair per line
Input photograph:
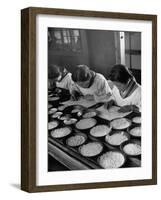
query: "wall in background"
98, 52
101, 50
133, 53
68, 58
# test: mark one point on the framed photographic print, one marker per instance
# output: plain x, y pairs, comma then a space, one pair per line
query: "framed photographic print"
89, 99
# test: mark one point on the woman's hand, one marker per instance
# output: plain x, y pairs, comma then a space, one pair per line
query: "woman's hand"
109, 104
75, 95
129, 108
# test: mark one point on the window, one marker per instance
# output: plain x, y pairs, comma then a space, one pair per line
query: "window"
61, 39
133, 50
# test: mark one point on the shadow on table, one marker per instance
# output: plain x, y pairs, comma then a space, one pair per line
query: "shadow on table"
15, 185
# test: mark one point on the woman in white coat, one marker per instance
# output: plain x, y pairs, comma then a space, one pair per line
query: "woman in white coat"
90, 85
59, 77
126, 91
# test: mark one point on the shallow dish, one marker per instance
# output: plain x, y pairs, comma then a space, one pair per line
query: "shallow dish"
89, 114
91, 149
120, 123
131, 147
135, 131
61, 108
61, 132
64, 117
70, 121
136, 120
116, 138
52, 111
76, 140
53, 98
100, 130
52, 124
85, 123
57, 115
111, 159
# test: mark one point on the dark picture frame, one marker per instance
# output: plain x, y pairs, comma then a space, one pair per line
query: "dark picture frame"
28, 98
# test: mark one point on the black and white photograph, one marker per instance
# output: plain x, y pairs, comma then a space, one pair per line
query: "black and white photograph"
94, 99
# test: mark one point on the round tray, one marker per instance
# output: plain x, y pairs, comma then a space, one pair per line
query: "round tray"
85, 120
117, 132
61, 136
132, 127
98, 160
136, 122
54, 121
100, 136
76, 134
132, 141
90, 156
129, 121
85, 112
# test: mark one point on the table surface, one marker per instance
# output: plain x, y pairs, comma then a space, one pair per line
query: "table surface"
62, 157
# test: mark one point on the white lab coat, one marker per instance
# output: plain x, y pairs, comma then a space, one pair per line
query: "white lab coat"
66, 82
133, 99
99, 89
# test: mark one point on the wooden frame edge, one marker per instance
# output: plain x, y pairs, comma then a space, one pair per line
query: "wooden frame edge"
154, 99
28, 100
89, 13
86, 186
24, 100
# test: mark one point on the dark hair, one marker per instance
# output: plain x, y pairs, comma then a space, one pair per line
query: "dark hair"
54, 71
81, 73
120, 73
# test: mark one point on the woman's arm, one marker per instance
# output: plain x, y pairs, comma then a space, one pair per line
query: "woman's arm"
75, 92
103, 92
129, 108
110, 103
